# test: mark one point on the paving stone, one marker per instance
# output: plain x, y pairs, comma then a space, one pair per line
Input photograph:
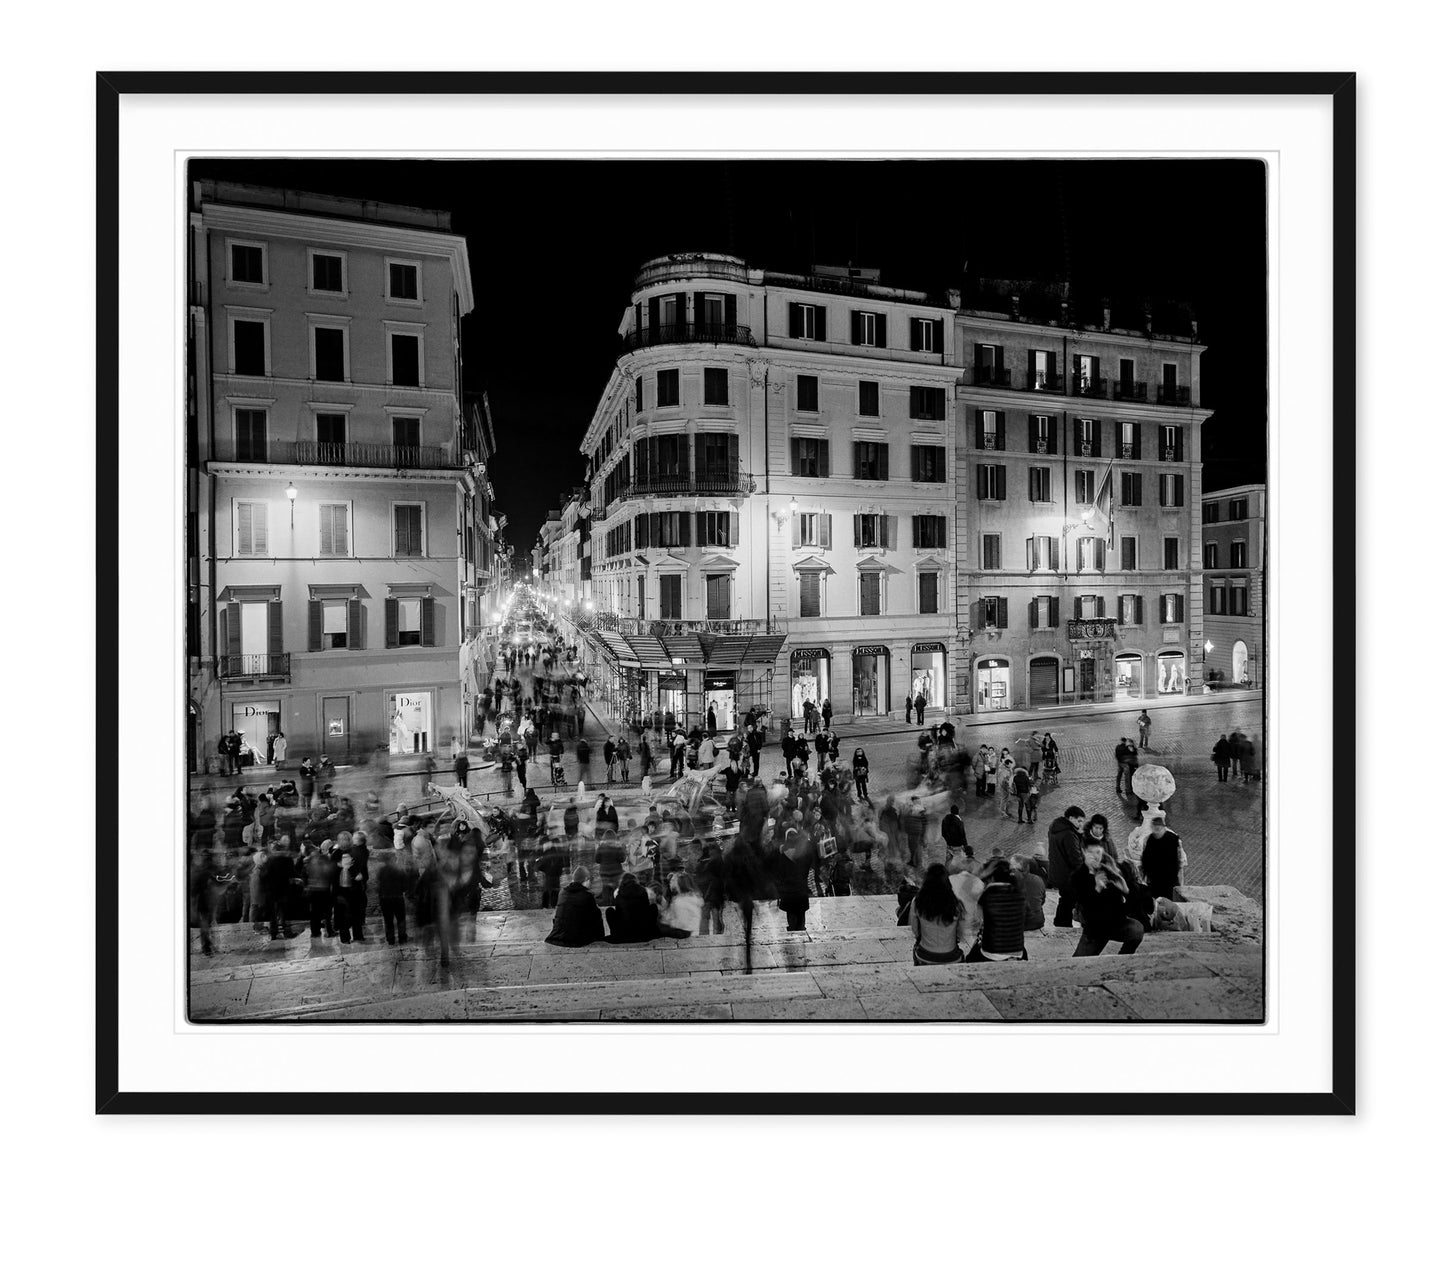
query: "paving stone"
1244, 964
844, 1009
370, 980
849, 952
1210, 1000
287, 992
432, 1007
846, 981
731, 957
218, 1000
1043, 1003
714, 1010
633, 964
935, 1006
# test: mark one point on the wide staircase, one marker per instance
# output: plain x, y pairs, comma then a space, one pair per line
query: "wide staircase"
852, 964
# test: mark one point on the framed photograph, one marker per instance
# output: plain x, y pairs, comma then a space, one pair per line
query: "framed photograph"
944, 413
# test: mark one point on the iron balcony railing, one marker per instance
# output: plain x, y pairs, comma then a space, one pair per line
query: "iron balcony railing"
661, 628
1131, 390
1093, 628
1043, 382
1176, 396
707, 481
992, 377
689, 333
1093, 387
334, 454
254, 666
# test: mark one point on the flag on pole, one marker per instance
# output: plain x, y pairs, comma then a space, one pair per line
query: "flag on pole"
1101, 513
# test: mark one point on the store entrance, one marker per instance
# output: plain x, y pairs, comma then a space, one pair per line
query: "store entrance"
256, 721
1088, 683
994, 690
720, 702
1044, 681
870, 680
1128, 675
928, 674
1171, 673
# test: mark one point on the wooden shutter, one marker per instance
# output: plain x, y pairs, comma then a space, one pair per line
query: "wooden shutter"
1053, 434
1078, 436
917, 531
1002, 613
1001, 442
733, 524
795, 321
883, 448
822, 458
732, 471
1078, 608
857, 529
820, 321
654, 316
1034, 614
730, 310
274, 633
1002, 482
313, 625
1031, 553
978, 429
913, 454
684, 525
355, 624
245, 521
1163, 607
233, 630
393, 621
1118, 439
1119, 604
1033, 366
1052, 366
889, 525
880, 330
1053, 553
327, 545
982, 470
825, 529
795, 450
1162, 434
681, 298
699, 308
797, 529
1053, 611
857, 323
1163, 489
428, 622
915, 334
654, 530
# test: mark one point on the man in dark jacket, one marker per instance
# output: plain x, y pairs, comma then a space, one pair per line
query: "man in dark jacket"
551, 864
1161, 860
755, 749
463, 766
610, 858
710, 883
954, 835
1104, 904
1066, 857
276, 882
578, 920
392, 884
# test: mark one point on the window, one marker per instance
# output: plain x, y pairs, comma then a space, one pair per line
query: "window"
870, 594
868, 398
1091, 555
719, 604
1170, 443
403, 280
335, 520
407, 522
930, 464
925, 335
1171, 607
248, 347
328, 353
993, 612
1171, 489
928, 592
1238, 557
870, 329
408, 622
807, 322
1211, 555
1039, 490
1218, 598
1126, 371
328, 272
811, 529
925, 403
1171, 553
714, 386
1086, 438
992, 481
1088, 607
930, 531
810, 593
1239, 599
1211, 513
667, 392
669, 587
717, 529
1043, 371
250, 436
330, 438
1129, 553
1127, 439
989, 430
810, 456
405, 360
717, 456
871, 530
1131, 609
1044, 612
1131, 489
988, 364
1041, 551
406, 436
1086, 374
870, 460
248, 264
1043, 434
637, 391
808, 392
251, 529
333, 623
1239, 509
1084, 487
711, 312
993, 551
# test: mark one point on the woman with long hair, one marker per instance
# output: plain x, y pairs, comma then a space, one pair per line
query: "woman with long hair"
936, 918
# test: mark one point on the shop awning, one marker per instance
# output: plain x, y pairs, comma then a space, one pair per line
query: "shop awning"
686, 646
650, 653
619, 648
724, 651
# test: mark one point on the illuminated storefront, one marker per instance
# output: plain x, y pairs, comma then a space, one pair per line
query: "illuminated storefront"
870, 679
809, 679
993, 684
1172, 671
720, 696
410, 715
1128, 675
257, 722
928, 674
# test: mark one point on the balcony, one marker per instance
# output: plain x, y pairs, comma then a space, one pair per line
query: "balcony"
1175, 396
1091, 387
726, 481
689, 333
255, 666
665, 628
335, 454
1092, 628
992, 377
1131, 390
1126, 449
687, 266
1043, 382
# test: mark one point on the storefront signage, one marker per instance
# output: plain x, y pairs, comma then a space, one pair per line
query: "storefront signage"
992, 663
809, 654
871, 650
720, 683
932, 647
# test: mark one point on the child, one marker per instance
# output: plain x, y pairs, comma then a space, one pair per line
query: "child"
1031, 803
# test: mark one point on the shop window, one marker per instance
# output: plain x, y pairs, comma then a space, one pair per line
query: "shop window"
411, 722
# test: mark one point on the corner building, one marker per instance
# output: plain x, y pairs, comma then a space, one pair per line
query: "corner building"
771, 472
1050, 612
1234, 545
340, 519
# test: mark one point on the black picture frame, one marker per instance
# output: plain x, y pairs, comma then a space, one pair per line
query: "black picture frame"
1338, 88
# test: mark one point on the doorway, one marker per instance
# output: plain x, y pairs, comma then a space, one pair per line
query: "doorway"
1088, 690
1044, 681
1240, 661
994, 689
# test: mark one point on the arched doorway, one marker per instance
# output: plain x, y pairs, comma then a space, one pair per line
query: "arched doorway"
1240, 661
1128, 675
993, 689
1044, 681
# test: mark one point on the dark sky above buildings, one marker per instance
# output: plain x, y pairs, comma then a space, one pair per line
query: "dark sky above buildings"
554, 246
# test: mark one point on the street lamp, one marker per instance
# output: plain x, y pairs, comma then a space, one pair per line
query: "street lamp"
291, 497
1208, 646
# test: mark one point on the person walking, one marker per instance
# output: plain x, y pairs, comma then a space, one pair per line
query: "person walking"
711, 883
860, 775
202, 886
1031, 751
827, 714
392, 884
584, 759
1146, 725
1222, 756
463, 766
1104, 904
955, 837
1022, 783
624, 757
1066, 857
1126, 758
609, 757
755, 749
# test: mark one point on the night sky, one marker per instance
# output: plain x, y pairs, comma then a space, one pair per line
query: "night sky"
554, 246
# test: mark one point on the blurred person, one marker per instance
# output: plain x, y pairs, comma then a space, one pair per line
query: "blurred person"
1103, 899
632, 919
1066, 856
551, 864
1221, 756
392, 884
711, 881
578, 920
1031, 887
320, 872
790, 877
860, 774
277, 875
348, 894
202, 886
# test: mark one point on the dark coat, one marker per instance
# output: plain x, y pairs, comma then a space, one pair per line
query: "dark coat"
632, 918
578, 920
953, 831
552, 863
1103, 911
1159, 861
1066, 853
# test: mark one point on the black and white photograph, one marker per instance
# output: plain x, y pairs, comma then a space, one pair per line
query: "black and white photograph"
726, 590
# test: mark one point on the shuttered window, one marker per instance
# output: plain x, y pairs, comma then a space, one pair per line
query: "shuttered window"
928, 593
868, 398
870, 594
669, 595
925, 335
810, 593
1171, 489
251, 436
1129, 553
870, 460
870, 329
248, 264
930, 464
719, 602
667, 389
1040, 490
873, 530
993, 612
808, 393
1131, 489
1171, 553
926, 403
1043, 434
930, 531
1238, 555
251, 529
1084, 487
407, 529
334, 523
717, 529
991, 480
993, 551
714, 386
809, 456
807, 322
